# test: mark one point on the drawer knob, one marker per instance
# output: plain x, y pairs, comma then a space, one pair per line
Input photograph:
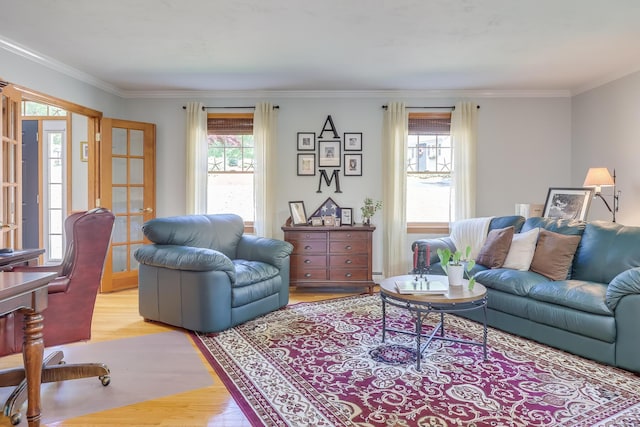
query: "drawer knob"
348, 247
307, 261
307, 247
349, 235
348, 261
347, 275
307, 275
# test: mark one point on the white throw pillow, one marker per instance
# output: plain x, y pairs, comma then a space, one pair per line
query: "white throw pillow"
523, 246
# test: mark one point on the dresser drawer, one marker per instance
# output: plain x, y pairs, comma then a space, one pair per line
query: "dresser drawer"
306, 235
308, 274
348, 235
351, 261
341, 274
309, 246
307, 261
348, 246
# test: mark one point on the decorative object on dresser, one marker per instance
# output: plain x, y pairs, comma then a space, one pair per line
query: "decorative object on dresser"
298, 214
369, 209
328, 256
346, 216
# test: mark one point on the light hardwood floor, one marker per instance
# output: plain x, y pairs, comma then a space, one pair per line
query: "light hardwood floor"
116, 316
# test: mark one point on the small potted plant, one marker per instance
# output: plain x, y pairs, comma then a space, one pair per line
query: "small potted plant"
369, 209
456, 266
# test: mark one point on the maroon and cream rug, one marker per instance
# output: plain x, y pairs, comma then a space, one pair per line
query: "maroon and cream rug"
323, 364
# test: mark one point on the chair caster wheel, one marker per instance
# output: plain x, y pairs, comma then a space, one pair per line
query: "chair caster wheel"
16, 418
105, 379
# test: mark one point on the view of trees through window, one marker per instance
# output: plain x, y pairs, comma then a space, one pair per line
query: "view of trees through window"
230, 175
429, 167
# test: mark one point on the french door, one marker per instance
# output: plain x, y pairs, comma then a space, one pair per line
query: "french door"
10, 168
126, 169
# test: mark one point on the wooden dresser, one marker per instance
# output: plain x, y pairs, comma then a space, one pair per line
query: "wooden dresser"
331, 257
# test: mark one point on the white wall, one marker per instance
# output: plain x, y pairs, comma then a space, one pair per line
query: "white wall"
606, 133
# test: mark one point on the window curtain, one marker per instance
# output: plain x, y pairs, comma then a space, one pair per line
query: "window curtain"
464, 120
265, 121
196, 159
394, 139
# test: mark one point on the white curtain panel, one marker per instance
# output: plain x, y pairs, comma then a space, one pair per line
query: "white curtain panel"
265, 121
394, 139
464, 119
196, 167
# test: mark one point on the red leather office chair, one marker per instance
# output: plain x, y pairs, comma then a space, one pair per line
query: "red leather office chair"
69, 312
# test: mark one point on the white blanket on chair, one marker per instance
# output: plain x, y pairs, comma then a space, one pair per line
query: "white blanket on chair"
470, 232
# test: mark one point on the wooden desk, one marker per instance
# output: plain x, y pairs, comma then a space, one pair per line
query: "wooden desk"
27, 293
19, 256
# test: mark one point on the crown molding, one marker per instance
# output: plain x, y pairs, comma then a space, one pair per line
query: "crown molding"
51, 63
603, 81
378, 94
17, 49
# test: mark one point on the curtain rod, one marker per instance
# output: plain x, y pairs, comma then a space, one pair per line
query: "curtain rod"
452, 107
184, 107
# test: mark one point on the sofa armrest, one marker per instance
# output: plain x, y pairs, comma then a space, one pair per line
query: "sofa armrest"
263, 249
435, 244
177, 257
625, 283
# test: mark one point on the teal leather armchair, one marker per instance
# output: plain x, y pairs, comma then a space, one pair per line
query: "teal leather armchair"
202, 273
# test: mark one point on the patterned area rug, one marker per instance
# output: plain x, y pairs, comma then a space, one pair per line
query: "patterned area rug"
323, 364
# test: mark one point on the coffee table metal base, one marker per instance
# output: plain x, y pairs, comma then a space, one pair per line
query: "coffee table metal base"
420, 311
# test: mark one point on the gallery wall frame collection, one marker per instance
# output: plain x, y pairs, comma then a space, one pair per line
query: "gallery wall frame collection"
332, 152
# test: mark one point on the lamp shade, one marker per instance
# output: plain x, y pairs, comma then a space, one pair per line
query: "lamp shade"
598, 177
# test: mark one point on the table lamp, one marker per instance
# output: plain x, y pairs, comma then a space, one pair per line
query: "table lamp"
598, 178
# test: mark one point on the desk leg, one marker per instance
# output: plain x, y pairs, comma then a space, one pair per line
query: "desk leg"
32, 353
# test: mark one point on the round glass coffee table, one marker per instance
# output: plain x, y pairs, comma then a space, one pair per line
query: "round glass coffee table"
424, 297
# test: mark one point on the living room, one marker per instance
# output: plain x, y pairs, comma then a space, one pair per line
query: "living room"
530, 138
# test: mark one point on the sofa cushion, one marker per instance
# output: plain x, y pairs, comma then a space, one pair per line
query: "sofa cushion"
554, 254
250, 272
507, 221
625, 283
496, 247
510, 281
602, 328
523, 246
562, 226
606, 250
221, 232
578, 294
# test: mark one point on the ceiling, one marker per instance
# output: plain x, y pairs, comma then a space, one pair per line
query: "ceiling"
355, 45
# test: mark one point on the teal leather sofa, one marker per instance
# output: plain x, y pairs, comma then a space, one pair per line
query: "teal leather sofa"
201, 272
594, 312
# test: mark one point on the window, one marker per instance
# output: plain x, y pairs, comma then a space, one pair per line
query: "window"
230, 165
429, 167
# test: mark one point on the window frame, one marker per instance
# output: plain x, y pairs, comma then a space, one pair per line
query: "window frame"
429, 227
248, 225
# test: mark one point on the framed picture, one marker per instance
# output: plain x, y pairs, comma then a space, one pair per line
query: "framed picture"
316, 221
298, 214
329, 153
329, 221
306, 164
84, 151
345, 216
568, 203
306, 141
353, 165
352, 141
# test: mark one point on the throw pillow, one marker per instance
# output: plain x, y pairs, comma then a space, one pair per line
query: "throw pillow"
496, 247
522, 249
554, 254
